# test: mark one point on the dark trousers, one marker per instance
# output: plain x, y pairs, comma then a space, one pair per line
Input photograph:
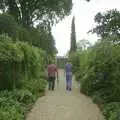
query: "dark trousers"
51, 83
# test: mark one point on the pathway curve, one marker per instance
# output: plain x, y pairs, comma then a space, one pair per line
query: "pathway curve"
64, 105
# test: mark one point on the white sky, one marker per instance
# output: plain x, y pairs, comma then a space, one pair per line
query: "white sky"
84, 13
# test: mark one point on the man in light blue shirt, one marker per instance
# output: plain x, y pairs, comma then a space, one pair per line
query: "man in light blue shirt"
68, 70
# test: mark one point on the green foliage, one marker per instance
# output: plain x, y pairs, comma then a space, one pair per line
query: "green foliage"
43, 39
9, 52
103, 72
83, 45
10, 109
8, 26
14, 104
33, 59
98, 69
24, 96
24, 35
75, 57
61, 62
112, 111
19, 60
22, 67
79, 61
31, 35
108, 23
29, 11
36, 86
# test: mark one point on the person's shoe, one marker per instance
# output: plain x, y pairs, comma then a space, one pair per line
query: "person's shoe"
52, 89
67, 88
70, 89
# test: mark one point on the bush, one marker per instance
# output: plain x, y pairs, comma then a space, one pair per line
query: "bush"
14, 104
22, 77
79, 61
10, 109
24, 96
99, 67
103, 75
19, 61
35, 86
112, 111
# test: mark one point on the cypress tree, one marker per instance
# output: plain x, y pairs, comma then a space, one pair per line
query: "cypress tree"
73, 36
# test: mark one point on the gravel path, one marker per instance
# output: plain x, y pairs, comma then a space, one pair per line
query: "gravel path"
63, 105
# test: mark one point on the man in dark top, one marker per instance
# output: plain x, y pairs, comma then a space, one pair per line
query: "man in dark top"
68, 70
52, 70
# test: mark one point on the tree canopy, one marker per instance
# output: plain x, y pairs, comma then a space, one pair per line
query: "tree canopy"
8, 25
29, 11
108, 23
83, 44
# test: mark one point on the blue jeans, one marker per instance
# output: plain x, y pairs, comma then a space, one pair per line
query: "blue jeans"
68, 82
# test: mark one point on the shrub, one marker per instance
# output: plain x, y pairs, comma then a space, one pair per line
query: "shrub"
22, 77
19, 61
36, 86
99, 67
104, 77
80, 63
10, 109
112, 111
14, 104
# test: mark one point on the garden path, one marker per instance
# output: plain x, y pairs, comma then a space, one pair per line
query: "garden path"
64, 105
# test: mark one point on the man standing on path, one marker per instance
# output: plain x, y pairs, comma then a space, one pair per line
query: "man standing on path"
68, 70
52, 70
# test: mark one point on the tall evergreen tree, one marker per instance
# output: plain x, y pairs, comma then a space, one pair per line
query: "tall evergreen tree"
73, 36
